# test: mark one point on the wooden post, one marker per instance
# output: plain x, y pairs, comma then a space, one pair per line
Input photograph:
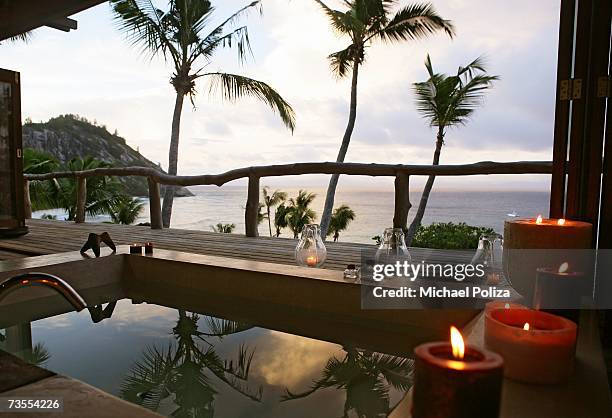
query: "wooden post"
81, 199
252, 207
154, 204
27, 204
402, 201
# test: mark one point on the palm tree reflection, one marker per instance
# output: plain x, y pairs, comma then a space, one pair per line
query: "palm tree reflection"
366, 377
182, 374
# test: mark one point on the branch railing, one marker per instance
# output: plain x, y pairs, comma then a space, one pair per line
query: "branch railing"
401, 173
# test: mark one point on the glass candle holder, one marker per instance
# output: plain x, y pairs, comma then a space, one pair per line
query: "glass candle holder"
310, 250
393, 247
489, 255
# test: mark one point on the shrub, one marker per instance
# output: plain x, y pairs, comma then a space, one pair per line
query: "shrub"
449, 236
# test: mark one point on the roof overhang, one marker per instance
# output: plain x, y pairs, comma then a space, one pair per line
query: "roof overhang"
19, 16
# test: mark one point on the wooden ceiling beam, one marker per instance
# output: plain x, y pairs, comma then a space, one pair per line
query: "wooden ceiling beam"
17, 17
65, 24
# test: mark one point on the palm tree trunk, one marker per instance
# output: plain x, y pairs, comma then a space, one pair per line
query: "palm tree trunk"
333, 182
269, 221
418, 217
172, 158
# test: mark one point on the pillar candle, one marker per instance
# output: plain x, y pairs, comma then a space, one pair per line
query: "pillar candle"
537, 347
522, 235
449, 385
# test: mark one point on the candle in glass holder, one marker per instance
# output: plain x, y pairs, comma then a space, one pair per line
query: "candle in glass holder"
311, 260
135, 248
537, 347
453, 380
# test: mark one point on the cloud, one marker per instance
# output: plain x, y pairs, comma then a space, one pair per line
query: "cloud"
96, 73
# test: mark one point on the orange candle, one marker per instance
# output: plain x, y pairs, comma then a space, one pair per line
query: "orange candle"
311, 260
537, 347
453, 380
525, 242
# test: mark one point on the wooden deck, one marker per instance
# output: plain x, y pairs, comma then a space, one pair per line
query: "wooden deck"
48, 237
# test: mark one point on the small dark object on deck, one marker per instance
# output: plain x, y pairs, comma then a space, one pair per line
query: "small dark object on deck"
94, 240
148, 248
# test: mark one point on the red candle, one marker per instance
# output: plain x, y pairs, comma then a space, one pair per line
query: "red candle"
135, 249
148, 248
560, 288
528, 244
537, 347
456, 381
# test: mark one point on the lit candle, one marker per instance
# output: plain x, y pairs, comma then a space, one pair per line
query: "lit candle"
537, 347
148, 248
135, 249
311, 260
453, 380
522, 236
561, 290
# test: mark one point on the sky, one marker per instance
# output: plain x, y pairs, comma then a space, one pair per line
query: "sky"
96, 73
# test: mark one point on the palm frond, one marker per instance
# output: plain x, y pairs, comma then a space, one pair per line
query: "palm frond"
413, 22
222, 327
342, 22
233, 87
342, 61
145, 27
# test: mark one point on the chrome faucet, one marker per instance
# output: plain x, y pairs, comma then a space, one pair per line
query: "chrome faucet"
43, 279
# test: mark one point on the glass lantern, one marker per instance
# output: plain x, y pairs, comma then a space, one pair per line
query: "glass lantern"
392, 247
310, 250
489, 255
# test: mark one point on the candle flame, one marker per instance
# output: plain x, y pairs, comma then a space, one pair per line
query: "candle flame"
561, 221
539, 220
457, 343
526, 326
564, 267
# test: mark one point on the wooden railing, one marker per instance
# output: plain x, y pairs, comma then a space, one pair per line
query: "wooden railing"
401, 173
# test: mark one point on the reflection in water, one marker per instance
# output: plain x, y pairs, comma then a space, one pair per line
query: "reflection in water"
17, 340
366, 378
99, 314
177, 380
187, 368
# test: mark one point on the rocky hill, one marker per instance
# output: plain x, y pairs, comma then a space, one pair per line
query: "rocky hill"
69, 136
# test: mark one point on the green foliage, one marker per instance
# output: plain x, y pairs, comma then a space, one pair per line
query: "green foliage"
280, 218
102, 192
298, 214
449, 236
270, 200
223, 228
366, 21
125, 210
341, 217
450, 100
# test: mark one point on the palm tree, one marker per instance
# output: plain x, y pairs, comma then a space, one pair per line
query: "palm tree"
223, 228
364, 22
270, 200
182, 372
340, 219
41, 192
280, 218
125, 210
366, 377
298, 213
447, 101
180, 35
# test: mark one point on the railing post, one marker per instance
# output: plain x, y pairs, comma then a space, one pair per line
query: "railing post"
252, 207
27, 203
81, 197
154, 204
402, 201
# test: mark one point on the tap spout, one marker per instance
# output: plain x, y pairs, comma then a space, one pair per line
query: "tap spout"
46, 280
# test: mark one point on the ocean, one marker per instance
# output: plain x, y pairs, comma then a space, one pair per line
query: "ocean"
374, 209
